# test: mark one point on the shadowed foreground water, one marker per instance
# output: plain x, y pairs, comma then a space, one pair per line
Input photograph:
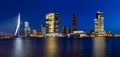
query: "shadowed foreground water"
60, 47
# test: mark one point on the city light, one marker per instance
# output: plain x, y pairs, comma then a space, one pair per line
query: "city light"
18, 25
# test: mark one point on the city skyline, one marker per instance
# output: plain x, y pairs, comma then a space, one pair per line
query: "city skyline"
85, 11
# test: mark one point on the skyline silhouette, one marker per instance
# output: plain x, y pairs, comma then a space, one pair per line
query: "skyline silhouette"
34, 12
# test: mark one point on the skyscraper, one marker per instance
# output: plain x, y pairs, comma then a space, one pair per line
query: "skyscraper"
74, 22
99, 23
44, 30
53, 22
68, 30
27, 29
63, 31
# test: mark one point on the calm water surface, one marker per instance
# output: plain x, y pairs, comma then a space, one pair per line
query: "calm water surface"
60, 47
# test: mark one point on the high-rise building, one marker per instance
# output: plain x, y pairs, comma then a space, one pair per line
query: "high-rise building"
99, 23
44, 30
53, 22
74, 22
68, 30
63, 31
27, 29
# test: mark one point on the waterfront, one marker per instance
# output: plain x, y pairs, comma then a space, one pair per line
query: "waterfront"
60, 47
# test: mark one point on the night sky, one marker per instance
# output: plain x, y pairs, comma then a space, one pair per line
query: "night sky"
34, 11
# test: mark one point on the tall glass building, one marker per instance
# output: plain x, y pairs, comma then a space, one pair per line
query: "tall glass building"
27, 29
74, 22
99, 24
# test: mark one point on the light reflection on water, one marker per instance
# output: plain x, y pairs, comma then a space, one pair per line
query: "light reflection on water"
51, 47
76, 48
60, 47
18, 48
99, 47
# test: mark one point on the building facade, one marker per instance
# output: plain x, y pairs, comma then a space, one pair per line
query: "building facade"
44, 30
64, 31
68, 29
74, 22
34, 32
27, 29
53, 22
99, 23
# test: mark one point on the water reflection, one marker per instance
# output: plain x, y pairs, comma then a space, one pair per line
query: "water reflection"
18, 48
68, 47
56, 47
76, 48
99, 47
51, 47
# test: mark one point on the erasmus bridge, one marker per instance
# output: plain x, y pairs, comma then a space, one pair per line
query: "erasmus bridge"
10, 26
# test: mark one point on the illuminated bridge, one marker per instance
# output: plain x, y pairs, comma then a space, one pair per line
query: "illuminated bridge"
10, 26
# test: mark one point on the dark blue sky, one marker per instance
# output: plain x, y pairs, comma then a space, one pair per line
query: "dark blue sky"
34, 11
